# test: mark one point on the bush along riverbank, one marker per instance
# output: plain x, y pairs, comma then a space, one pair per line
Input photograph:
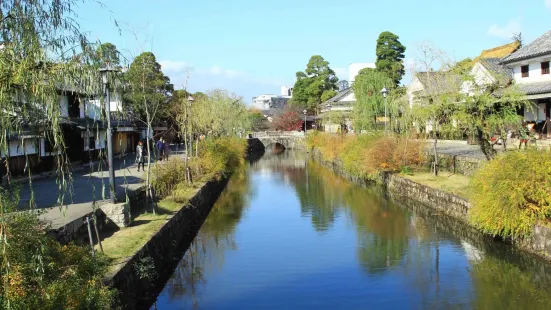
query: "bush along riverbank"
40, 273
508, 198
144, 254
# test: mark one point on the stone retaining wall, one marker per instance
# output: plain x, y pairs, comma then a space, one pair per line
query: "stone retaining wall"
77, 229
411, 192
456, 163
164, 250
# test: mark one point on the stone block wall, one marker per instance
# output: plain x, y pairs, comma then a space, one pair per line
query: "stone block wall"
164, 250
456, 164
78, 230
413, 194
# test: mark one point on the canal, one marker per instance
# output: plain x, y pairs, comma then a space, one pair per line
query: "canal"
288, 233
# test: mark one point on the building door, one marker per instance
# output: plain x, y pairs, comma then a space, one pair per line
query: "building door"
74, 143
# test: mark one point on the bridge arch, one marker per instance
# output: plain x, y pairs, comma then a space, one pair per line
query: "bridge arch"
290, 140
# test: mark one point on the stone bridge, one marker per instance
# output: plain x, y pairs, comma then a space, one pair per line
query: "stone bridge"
292, 140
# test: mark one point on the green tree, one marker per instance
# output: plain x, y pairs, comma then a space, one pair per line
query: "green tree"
42, 49
108, 54
369, 101
316, 84
390, 56
484, 115
218, 114
257, 120
147, 99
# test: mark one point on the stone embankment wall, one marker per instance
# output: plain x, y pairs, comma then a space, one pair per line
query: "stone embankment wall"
164, 250
412, 193
78, 230
456, 163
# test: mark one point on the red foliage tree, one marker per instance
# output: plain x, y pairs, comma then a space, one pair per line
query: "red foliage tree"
288, 121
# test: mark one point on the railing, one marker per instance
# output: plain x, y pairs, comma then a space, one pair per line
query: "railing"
264, 134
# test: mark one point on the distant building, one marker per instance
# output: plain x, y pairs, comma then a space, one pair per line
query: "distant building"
286, 91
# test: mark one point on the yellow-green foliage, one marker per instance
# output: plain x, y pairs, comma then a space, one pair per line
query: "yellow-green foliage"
39, 273
367, 155
511, 193
217, 158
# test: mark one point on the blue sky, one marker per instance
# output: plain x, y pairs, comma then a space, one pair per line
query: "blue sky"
252, 47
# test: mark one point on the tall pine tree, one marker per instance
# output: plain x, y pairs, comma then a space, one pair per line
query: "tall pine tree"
390, 56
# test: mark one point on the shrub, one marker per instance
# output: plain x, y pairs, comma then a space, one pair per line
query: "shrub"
511, 193
39, 273
368, 155
217, 158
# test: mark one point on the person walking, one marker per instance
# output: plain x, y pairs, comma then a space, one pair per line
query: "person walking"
140, 156
160, 148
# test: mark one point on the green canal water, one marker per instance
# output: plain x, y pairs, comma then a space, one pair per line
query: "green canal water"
288, 233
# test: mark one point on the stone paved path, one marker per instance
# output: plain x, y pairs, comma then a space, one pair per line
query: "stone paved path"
88, 186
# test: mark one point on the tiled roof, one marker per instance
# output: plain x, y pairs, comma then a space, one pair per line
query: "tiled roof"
501, 73
437, 83
539, 47
498, 52
339, 96
535, 88
528, 89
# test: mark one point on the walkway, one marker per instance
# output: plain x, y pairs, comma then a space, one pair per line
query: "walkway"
87, 187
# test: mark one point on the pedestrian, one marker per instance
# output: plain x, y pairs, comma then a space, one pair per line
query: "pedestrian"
140, 156
523, 135
160, 148
166, 149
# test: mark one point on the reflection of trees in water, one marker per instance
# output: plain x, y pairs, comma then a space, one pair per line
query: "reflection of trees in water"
215, 237
501, 285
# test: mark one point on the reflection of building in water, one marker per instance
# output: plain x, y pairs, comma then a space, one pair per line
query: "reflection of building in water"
473, 254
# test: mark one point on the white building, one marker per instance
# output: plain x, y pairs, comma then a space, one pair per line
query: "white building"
532, 76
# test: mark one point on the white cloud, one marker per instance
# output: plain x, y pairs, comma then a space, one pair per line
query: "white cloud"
507, 32
216, 70
548, 4
174, 66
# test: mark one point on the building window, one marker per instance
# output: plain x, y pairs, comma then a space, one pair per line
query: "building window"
545, 67
525, 71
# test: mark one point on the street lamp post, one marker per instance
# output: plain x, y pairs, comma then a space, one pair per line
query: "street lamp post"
384, 92
305, 111
105, 80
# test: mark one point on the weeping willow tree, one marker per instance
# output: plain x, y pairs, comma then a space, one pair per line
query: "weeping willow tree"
42, 53
370, 104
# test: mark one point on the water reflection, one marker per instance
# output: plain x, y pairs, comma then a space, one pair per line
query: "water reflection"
310, 239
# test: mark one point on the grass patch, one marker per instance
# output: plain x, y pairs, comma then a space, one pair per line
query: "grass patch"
120, 244
452, 183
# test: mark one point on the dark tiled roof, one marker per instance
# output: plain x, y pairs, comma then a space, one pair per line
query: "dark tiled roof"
501, 73
535, 88
527, 89
539, 47
437, 83
340, 95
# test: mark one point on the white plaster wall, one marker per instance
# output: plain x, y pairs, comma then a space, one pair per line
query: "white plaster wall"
534, 72
16, 147
414, 86
349, 97
93, 109
64, 106
536, 112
